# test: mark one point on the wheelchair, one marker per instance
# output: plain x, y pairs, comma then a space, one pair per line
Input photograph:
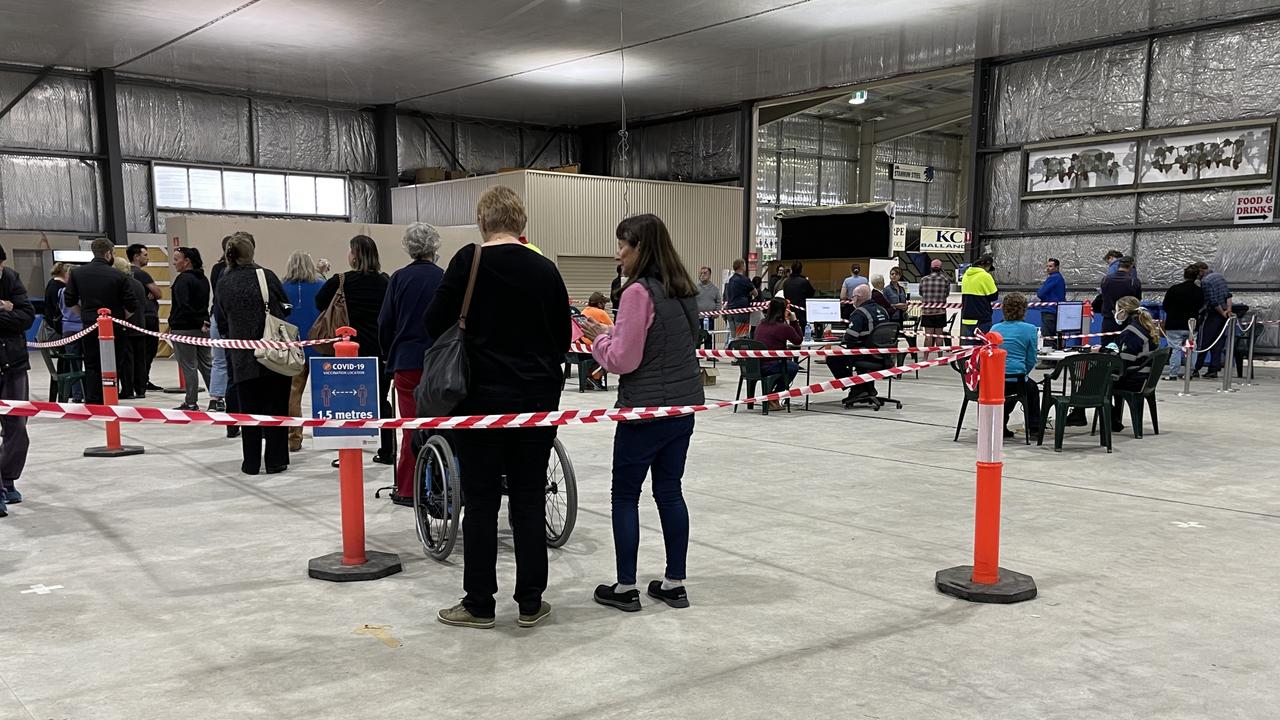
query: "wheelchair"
438, 501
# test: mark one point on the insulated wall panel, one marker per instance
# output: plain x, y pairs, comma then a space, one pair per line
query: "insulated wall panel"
415, 148
939, 44
1164, 12
185, 125
362, 201
299, 136
1188, 205
1242, 255
137, 197
487, 149
43, 193
1004, 187
1264, 306
1081, 93
1063, 23
1080, 212
1020, 260
1223, 74
58, 113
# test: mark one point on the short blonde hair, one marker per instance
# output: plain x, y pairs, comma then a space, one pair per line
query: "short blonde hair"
500, 210
122, 265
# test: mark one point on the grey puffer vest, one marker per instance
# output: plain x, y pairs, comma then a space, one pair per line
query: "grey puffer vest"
668, 372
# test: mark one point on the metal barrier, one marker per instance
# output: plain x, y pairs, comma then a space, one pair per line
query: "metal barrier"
1228, 361
1188, 359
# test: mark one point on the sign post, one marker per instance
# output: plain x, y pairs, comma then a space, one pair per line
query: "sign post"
898, 238
345, 387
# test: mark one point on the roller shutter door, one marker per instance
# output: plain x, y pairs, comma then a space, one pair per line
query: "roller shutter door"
585, 275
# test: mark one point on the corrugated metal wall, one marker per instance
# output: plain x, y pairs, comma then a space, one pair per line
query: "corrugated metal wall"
578, 214
1223, 74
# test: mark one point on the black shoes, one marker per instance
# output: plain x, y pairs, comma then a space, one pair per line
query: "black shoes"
190, 407
233, 431
628, 601
676, 597
273, 469
1008, 433
384, 459
1077, 420
153, 386
217, 405
403, 500
1211, 375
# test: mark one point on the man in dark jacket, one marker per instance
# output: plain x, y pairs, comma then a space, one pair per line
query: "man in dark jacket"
93, 286
17, 315
738, 294
145, 354
1123, 282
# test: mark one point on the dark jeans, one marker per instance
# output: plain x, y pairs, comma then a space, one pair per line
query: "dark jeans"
267, 394
93, 369
844, 366
969, 333
485, 457
13, 448
387, 448
1214, 355
640, 448
1028, 393
788, 368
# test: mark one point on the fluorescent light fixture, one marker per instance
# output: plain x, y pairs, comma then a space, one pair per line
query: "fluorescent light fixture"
858, 97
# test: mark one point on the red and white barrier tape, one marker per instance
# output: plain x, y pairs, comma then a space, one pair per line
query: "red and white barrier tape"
124, 413
957, 306
810, 352
64, 341
224, 343
754, 307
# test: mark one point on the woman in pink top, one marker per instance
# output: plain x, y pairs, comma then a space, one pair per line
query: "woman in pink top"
651, 349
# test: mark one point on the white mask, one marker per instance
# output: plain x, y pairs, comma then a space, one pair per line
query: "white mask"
1120, 316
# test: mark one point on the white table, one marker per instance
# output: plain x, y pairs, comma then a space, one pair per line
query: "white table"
808, 367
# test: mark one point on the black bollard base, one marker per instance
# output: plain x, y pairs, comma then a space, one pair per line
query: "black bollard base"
122, 451
958, 582
377, 565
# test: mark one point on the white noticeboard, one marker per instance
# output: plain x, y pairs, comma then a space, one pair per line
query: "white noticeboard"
1252, 208
822, 310
898, 238
943, 240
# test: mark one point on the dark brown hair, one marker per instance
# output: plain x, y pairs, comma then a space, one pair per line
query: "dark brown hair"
656, 257
364, 254
1015, 306
777, 311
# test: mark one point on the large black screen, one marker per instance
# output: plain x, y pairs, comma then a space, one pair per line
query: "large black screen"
818, 237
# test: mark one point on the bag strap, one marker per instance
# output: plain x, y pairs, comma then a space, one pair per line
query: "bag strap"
471, 286
342, 287
262, 286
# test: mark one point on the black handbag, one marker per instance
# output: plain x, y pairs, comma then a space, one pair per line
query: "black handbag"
445, 368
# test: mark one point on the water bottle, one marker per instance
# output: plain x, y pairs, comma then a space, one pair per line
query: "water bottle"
706, 324
808, 332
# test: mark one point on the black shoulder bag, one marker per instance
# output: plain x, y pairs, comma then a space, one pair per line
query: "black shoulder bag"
445, 368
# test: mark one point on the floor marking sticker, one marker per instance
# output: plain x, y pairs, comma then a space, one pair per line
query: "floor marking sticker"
1187, 524
380, 632
41, 589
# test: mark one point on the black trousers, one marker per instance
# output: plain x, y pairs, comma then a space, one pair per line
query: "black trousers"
485, 458
137, 377
152, 345
1215, 353
267, 394
1025, 391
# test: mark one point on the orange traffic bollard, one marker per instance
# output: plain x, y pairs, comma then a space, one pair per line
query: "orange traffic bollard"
110, 394
985, 581
354, 562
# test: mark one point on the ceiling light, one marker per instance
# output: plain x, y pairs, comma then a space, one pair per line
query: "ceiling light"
858, 97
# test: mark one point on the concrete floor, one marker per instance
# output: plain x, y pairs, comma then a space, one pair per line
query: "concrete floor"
183, 589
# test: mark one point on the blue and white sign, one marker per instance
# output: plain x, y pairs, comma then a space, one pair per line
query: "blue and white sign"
344, 388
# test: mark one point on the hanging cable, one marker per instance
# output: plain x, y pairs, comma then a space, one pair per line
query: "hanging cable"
624, 137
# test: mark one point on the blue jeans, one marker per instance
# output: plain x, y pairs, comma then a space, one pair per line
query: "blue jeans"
1177, 339
218, 373
788, 368
640, 448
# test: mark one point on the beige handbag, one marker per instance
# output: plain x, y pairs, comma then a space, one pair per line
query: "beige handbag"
333, 317
286, 361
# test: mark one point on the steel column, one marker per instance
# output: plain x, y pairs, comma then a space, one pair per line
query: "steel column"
104, 88
386, 144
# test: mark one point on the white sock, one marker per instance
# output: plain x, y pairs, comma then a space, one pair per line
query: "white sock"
669, 584
620, 588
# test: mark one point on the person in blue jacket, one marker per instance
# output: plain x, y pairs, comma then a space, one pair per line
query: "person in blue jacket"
1021, 357
1054, 290
1138, 338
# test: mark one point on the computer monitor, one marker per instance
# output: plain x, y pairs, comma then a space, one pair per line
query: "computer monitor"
1070, 317
822, 311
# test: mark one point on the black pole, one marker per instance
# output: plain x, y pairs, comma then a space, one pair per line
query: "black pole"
384, 123
746, 171
974, 215
104, 88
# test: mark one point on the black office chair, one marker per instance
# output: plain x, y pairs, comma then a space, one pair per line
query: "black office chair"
884, 335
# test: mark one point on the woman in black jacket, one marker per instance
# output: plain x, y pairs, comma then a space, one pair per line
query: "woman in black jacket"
515, 368
262, 391
365, 287
189, 316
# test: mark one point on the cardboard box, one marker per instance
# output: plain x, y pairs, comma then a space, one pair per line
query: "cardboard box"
430, 174
568, 169
709, 375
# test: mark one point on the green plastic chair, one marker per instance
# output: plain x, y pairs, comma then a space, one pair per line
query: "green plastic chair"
1088, 387
749, 372
61, 383
1134, 398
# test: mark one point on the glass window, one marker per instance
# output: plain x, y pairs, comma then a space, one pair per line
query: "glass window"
206, 188
302, 195
237, 191
331, 196
171, 187
269, 190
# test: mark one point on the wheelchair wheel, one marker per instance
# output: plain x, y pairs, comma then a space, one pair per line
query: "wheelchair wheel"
562, 497
437, 497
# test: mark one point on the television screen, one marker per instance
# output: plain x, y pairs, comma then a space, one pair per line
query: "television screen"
835, 236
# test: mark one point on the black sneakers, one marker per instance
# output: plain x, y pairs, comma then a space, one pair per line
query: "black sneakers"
628, 601
676, 597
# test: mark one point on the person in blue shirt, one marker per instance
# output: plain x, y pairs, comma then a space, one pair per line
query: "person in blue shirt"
301, 283
1022, 354
738, 294
404, 338
1054, 290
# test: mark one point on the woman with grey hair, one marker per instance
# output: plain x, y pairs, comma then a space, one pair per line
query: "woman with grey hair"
404, 335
